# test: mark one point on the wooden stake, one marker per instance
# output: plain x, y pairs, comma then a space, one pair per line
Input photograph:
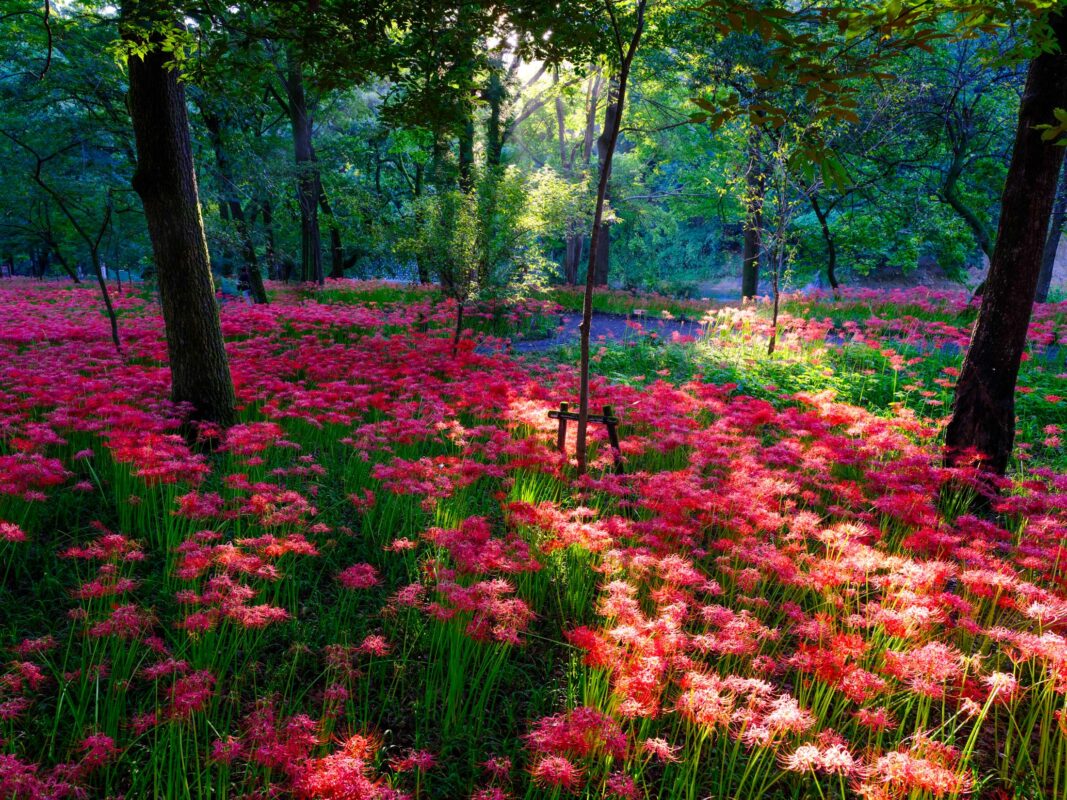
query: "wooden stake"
613, 437
561, 436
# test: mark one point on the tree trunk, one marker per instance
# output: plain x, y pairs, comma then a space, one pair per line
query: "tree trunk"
39, 262
981, 231
779, 255
54, 247
459, 328
307, 177
831, 244
166, 182
603, 254
230, 208
576, 241
1052, 243
337, 250
271, 253
495, 95
575, 245
610, 140
755, 192
605, 148
466, 155
983, 416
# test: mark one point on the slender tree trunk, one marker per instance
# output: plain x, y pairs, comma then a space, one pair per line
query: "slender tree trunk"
111, 317
166, 182
779, 259
572, 252
51, 242
598, 218
1052, 243
307, 180
983, 416
38, 262
416, 191
337, 250
495, 95
466, 155
754, 194
459, 327
575, 245
576, 241
831, 244
268, 227
950, 195
231, 210
600, 264
214, 128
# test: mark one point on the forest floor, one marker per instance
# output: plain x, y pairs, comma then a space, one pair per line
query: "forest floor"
386, 583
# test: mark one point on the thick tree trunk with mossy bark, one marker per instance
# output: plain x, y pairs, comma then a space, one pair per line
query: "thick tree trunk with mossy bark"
983, 415
165, 180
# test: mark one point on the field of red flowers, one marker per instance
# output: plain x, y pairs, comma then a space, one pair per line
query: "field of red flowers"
386, 583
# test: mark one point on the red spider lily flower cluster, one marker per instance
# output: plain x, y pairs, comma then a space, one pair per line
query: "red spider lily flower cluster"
782, 578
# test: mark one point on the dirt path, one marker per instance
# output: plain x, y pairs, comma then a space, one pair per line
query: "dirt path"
610, 328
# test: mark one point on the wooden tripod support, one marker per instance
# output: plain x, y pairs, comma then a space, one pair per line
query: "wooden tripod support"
608, 419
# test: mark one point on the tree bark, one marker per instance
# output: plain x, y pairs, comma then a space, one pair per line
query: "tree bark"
1052, 243
495, 94
831, 244
755, 191
230, 208
576, 241
601, 261
268, 227
612, 138
165, 180
307, 178
337, 250
983, 416
981, 231
466, 155
575, 245
49, 240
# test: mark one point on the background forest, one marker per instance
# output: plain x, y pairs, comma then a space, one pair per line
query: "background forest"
435, 144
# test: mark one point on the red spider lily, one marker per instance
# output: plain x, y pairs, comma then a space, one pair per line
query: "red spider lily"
10, 532
359, 576
344, 775
415, 760
190, 694
474, 549
578, 733
557, 772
